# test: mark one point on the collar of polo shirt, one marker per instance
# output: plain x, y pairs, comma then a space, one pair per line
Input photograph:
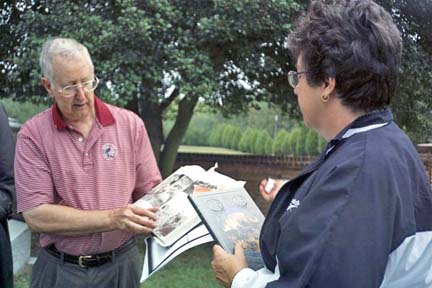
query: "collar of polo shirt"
103, 114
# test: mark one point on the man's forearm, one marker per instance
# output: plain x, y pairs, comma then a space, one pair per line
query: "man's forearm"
63, 220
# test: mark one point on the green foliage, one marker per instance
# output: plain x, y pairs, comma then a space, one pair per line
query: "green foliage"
269, 146
252, 140
202, 47
291, 141
199, 129
22, 111
245, 140
227, 135
207, 50
265, 117
322, 143
278, 144
235, 138
215, 138
300, 148
261, 142
311, 143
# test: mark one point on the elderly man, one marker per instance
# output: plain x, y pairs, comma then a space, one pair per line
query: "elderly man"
79, 167
7, 148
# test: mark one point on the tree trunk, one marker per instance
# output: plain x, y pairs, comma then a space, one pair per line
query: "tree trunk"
173, 141
152, 116
151, 113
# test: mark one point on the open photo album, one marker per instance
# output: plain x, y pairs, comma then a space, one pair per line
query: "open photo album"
176, 215
182, 225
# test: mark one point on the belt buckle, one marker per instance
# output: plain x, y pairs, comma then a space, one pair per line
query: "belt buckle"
81, 259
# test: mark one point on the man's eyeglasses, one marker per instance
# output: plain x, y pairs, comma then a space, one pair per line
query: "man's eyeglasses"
71, 90
293, 77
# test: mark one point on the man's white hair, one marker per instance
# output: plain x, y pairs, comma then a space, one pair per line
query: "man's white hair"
63, 47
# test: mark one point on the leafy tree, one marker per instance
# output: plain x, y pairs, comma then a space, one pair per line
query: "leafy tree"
228, 54
150, 55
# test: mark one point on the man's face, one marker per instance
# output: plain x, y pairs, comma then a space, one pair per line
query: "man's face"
78, 107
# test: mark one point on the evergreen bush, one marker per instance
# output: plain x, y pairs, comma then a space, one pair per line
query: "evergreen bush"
279, 142
311, 143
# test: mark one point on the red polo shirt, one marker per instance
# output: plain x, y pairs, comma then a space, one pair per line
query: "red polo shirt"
55, 164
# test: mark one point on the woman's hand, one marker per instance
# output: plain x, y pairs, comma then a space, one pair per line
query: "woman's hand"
269, 188
226, 265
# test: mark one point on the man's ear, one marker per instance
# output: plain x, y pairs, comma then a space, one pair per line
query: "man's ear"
47, 85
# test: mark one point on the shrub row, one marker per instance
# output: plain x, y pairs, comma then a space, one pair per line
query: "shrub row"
299, 141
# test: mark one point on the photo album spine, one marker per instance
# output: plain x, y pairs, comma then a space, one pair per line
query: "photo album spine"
209, 228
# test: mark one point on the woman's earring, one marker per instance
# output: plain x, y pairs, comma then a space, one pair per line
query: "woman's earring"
325, 98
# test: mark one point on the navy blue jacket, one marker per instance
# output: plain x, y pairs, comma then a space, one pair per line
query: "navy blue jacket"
336, 224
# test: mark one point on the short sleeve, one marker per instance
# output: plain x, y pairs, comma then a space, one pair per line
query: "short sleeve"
147, 171
33, 179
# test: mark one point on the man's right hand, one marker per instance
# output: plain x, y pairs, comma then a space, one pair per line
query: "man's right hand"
135, 219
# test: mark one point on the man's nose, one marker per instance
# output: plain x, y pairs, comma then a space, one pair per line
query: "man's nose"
80, 94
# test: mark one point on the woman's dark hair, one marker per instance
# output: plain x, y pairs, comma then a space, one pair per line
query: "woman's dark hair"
354, 41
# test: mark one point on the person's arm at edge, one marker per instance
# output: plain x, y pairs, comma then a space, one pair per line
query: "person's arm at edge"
7, 151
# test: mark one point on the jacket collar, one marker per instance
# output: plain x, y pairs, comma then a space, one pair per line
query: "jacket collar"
103, 114
373, 118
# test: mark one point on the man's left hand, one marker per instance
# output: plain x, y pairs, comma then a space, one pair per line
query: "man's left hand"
226, 265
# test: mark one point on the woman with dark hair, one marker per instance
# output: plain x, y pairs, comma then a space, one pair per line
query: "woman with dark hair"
361, 215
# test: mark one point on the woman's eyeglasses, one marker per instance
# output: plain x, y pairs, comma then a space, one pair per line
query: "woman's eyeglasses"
293, 77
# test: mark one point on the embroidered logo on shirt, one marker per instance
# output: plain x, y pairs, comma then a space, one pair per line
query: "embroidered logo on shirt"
294, 204
109, 151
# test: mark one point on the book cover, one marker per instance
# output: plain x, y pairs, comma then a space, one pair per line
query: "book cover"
231, 216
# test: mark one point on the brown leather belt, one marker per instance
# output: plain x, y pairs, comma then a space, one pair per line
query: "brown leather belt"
87, 261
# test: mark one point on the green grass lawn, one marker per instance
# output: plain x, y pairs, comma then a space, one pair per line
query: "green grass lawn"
191, 269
